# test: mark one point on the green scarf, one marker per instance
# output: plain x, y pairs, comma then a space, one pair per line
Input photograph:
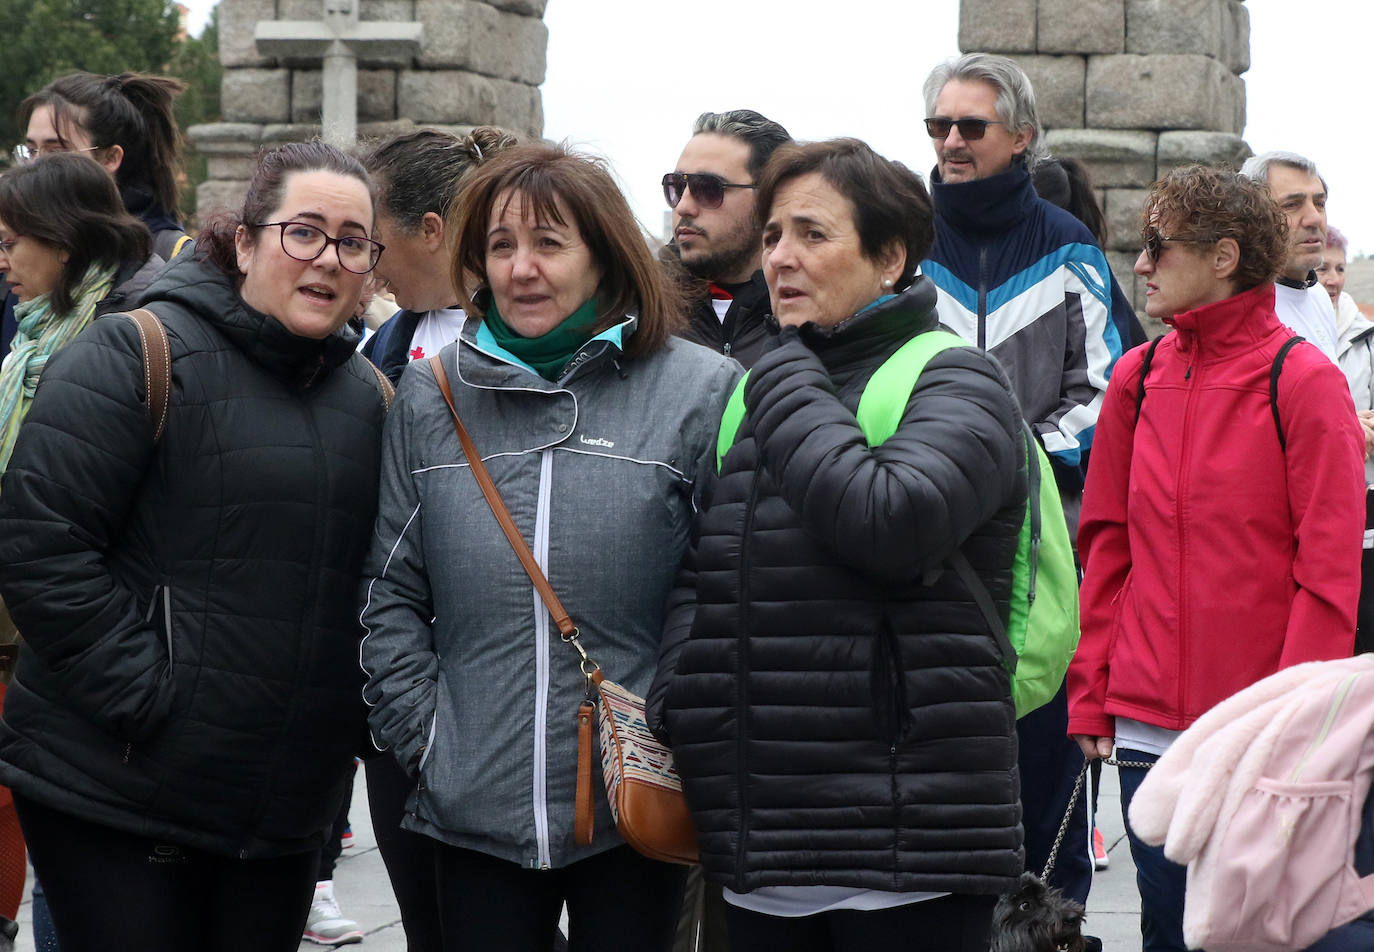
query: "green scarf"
41, 334
551, 352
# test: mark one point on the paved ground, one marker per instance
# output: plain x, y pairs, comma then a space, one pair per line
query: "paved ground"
364, 893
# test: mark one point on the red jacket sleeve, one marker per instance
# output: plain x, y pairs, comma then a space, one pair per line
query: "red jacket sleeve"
1104, 549
1325, 464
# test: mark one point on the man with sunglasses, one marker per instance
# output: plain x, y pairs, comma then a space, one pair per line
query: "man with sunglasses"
1026, 281
1221, 536
716, 238
1301, 303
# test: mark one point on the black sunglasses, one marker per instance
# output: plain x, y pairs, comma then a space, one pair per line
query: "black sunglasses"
971, 130
706, 188
1154, 243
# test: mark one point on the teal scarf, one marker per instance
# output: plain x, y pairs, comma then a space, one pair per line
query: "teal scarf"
40, 334
551, 352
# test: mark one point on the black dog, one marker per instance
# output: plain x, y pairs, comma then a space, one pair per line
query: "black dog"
1037, 918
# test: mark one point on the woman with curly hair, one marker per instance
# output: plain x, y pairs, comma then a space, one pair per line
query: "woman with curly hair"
1220, 533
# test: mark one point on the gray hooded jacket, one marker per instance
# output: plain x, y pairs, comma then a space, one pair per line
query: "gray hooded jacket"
470, 685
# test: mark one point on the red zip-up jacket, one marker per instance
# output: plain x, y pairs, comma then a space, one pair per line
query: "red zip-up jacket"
1212, 556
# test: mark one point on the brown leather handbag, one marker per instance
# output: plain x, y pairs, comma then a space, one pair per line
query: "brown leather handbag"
642, 786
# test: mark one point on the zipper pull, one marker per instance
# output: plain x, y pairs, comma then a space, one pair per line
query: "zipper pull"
1187, 374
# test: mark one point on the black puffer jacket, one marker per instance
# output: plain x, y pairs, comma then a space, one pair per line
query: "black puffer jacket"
190, 668
837, 707
747, 332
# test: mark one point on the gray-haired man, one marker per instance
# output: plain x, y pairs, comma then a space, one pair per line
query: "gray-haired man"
1300, 302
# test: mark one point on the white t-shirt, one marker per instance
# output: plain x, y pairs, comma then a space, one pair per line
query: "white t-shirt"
1148, 738
1308, 312
436, 330
796, 901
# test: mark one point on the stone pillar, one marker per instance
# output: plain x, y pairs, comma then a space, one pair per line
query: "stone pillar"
480, 62
1132, 88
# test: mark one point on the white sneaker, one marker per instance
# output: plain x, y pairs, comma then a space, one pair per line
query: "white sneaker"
326, 925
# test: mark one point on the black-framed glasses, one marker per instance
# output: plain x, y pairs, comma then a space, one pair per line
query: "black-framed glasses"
24, 153
306, 242
706, 188
1154, 243
970, 129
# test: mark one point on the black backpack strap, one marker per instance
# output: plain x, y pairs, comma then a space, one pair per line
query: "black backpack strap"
1274, 372
983, 598
1145, 372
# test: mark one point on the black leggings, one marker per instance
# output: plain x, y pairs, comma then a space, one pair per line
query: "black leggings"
617, 899
111, 891
952, 924
409, 857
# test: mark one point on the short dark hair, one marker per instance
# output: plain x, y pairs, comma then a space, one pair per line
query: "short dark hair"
69, 201
1199, 201
130, 110
215, 243
761, 134
890, 201
418, 172
543, 176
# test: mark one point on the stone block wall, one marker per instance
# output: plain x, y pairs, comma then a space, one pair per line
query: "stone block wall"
480, 62
1133, 88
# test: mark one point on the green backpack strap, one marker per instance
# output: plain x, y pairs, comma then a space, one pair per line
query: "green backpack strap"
888, 391
884, 398
730, 421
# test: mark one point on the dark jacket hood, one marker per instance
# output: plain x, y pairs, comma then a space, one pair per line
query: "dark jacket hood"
199, 286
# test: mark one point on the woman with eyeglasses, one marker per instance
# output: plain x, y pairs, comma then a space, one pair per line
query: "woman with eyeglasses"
125, 123
186, 707
597, 426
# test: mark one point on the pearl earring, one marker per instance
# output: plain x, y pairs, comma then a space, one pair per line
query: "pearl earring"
887, 284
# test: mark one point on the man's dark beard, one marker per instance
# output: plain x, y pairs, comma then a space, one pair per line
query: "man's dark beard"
714, 266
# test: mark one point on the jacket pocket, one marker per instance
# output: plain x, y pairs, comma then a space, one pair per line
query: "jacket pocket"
159, 618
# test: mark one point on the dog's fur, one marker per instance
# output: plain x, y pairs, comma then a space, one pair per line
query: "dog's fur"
1037, 918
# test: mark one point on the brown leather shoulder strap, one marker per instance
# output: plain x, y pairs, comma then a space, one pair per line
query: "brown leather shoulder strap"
498, 508
388, 391
157, 367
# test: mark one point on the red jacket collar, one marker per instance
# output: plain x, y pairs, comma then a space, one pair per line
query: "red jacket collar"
1239, 322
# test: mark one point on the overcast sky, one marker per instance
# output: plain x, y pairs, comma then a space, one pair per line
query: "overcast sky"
626, 78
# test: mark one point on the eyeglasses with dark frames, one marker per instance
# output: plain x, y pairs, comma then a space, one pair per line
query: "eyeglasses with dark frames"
970, 128
706, 188
306, 242
1154, 243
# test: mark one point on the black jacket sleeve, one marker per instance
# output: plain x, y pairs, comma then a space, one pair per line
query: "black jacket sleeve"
67, 493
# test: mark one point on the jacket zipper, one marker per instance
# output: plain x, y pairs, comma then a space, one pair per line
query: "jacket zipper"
982, 297
307, 622
741, 742
541, 666
1181, 519
1332, 712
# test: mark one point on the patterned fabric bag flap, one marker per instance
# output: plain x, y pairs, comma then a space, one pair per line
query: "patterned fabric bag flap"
642, 786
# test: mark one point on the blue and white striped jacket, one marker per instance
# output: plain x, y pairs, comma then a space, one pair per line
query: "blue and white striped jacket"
1024, 280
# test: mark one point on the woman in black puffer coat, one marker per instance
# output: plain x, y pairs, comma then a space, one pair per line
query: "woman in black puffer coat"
838, 708
188, 699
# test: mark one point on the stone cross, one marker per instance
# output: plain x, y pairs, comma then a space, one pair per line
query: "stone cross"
339, 39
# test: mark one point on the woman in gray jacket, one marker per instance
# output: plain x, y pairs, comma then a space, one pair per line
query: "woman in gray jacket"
596, 425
